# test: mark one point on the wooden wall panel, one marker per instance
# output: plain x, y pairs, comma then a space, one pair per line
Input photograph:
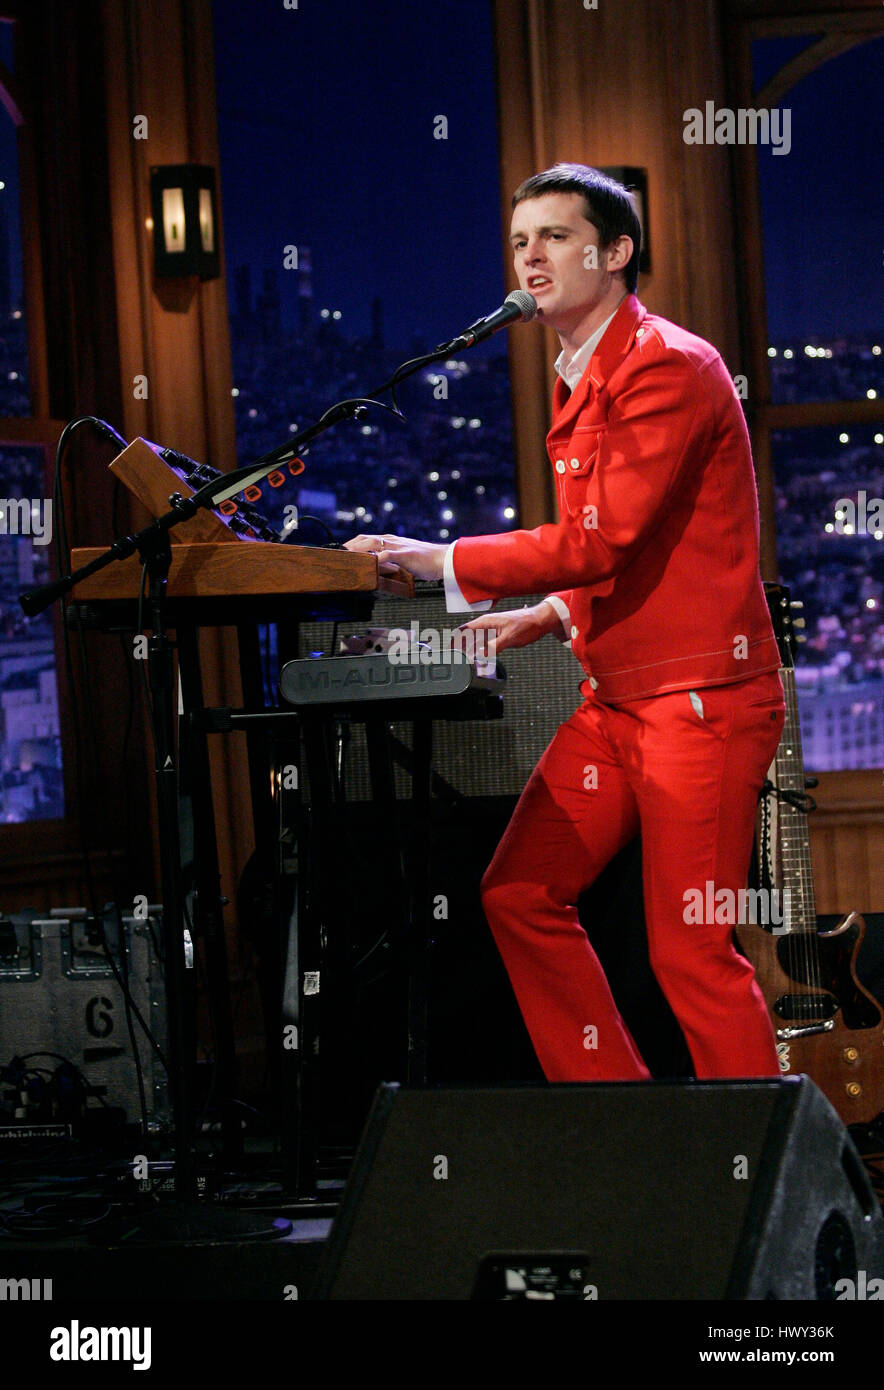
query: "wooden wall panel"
847, 842
607, 87
847, 886
174, 333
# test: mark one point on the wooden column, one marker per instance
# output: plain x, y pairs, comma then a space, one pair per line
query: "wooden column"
608, 87
158, 66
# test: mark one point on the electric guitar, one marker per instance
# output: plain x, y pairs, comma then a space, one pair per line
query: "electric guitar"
826, 1023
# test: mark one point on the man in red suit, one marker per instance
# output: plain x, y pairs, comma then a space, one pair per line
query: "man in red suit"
653, 568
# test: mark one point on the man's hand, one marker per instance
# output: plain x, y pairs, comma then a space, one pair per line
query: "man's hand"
521, 627
423, 559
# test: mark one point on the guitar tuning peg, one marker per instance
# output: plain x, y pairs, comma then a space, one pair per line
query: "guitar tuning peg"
799, 622
796, 603
799, 638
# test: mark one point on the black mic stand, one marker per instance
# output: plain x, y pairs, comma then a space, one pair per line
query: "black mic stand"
156, 552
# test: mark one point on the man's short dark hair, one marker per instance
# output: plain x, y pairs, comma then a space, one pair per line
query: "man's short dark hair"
608, 206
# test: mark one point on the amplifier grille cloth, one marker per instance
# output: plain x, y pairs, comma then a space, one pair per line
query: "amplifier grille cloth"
478, 758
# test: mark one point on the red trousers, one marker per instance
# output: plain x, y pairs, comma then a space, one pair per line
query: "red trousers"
684, 769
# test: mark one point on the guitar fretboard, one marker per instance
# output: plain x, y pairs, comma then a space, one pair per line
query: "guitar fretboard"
794, 836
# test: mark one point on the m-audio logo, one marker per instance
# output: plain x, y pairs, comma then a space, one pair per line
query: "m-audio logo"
25, 1290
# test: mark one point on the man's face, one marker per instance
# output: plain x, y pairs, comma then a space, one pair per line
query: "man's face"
558, 259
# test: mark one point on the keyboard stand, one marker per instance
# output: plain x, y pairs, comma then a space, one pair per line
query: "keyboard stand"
407, 895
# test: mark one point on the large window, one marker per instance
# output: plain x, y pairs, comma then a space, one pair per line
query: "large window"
821, 419
361, 206
31, 786
31, 774
14, 393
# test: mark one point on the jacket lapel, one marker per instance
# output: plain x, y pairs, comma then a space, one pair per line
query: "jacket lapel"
616, 342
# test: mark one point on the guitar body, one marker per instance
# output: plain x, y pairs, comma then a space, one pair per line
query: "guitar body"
826, 1024
837, 1027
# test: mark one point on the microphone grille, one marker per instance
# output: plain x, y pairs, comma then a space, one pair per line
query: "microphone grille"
526, 303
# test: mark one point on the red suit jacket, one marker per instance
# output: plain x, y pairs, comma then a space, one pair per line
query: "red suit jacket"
656, 550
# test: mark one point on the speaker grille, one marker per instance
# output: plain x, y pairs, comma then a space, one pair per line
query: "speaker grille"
477, 758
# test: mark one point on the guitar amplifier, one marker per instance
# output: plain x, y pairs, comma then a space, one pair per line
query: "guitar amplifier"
61, 1003
540, 691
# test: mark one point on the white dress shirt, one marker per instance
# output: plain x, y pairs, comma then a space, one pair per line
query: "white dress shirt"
572, 369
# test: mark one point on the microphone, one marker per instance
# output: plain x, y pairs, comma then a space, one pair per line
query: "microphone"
518, 305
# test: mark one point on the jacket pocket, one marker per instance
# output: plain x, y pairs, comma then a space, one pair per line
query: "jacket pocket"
710, 709
579, 459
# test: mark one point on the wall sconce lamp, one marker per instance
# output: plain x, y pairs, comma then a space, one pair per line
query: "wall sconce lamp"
636, 182
185, 221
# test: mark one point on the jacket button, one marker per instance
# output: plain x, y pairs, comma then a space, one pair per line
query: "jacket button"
639, 332
575, 463
560, 465
593, 683
574, 632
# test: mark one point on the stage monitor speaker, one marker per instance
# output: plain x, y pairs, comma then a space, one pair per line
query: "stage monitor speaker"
631, 1190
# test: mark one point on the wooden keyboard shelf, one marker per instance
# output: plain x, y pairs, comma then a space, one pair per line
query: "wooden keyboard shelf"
247, 568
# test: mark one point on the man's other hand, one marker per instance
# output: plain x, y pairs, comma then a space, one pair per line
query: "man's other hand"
423, 559
520, 627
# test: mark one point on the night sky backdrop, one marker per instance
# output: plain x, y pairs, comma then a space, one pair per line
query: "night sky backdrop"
326, 126
327, 140
823, 203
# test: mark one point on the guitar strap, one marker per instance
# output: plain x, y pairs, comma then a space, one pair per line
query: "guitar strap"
766, 830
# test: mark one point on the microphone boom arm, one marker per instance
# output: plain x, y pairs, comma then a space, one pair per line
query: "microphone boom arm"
518, 305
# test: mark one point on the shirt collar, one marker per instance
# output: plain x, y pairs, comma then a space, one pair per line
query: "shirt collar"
572, 371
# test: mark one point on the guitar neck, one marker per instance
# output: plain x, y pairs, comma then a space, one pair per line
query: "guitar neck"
793, 835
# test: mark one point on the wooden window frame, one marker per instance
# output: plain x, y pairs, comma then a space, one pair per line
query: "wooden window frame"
852, 796
44, 850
